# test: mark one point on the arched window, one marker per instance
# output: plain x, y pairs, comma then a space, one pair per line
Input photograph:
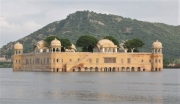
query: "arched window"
53, 49
105, 49
57, 50
113, 50
155, 50
36, 50
156, 60
158, 50
44, 50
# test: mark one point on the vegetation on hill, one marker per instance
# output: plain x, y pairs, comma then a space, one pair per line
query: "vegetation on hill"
101, 25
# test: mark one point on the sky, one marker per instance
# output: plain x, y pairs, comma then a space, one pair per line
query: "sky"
19, 18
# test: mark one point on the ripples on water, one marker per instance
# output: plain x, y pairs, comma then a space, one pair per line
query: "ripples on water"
90, 87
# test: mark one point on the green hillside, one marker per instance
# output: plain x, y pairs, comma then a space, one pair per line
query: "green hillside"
101, 25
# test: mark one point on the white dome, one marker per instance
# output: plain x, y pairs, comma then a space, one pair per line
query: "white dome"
104, 41
55, 42
40, 44
73, 47
157, 44
18, 46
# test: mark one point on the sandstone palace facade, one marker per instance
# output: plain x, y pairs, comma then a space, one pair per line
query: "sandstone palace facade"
106, 58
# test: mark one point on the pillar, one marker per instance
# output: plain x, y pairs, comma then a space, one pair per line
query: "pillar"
115, 49
125, 50
132, 50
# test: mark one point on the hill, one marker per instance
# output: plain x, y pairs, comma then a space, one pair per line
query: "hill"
101, 25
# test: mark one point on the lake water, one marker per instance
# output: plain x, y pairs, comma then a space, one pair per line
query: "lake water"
90, 87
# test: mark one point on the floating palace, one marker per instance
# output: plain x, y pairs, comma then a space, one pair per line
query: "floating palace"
107, 58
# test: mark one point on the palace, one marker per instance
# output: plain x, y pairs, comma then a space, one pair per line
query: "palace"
106, 58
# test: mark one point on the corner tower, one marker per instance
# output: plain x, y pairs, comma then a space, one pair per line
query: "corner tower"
17, 58
18, 49
157, 56
55, 46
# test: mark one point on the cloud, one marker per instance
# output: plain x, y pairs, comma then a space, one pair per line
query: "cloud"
12, 32
19, 18
18, 28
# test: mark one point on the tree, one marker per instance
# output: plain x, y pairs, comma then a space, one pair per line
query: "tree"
133, 44
114, 40
65, 43
86, 42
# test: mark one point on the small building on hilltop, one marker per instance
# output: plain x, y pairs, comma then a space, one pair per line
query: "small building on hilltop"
107, 58
3, 58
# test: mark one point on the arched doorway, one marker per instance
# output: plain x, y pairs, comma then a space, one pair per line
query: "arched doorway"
144, 69
110, 69
105, 69
123, 69
156, 69
114, 69
79, 69
57, 69
139, 68
128, 69
152, 70
86, 69
132, 69
96, 69
63, 69
91, 69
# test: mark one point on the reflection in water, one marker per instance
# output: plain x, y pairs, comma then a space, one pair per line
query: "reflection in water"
80, 88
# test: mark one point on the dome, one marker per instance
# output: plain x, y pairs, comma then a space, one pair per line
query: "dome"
104, 42
40, 44
18, 46
157, 44
121, 50
55, 42
73, 47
